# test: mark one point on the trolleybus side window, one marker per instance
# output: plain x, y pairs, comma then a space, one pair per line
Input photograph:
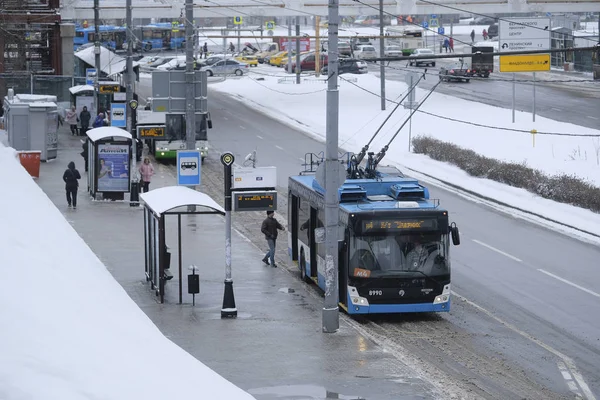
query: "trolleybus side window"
304, 221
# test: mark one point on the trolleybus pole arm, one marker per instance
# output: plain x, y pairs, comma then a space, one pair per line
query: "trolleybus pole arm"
381, 153
360, 156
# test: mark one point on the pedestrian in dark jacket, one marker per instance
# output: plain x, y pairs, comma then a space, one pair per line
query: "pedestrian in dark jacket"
84, 119
71, 177
269, 228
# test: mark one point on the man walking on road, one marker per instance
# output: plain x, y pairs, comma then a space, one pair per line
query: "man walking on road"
269, 228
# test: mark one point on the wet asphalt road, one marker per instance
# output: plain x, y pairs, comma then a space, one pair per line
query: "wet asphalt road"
577, 103
539, 284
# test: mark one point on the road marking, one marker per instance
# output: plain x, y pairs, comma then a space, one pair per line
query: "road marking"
497, 251
589, 116
569, 283
556, 109
568, 361
260, 137
242, 127
569, 379
226, 119
279, 147
301, 159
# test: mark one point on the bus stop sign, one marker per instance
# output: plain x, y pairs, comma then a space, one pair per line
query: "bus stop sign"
188, 167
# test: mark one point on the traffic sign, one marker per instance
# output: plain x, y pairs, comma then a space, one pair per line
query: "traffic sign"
441, 30
90, 76
237, 20
270, 25
433, 22
425, 24
188, 167
433, 16
525, 63
518, 34
227, 159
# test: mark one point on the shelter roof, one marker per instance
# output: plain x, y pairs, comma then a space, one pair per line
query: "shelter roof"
167, 198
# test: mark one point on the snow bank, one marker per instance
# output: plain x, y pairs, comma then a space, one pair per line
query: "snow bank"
69, 330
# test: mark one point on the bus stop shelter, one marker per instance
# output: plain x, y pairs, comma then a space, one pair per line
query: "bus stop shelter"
158, 204
109, 162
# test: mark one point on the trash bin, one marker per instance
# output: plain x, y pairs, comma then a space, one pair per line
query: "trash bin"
30, 160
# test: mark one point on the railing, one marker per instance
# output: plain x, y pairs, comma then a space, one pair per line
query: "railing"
55, 85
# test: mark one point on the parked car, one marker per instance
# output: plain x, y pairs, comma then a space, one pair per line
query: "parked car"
457, 71
308, 62
211, 60
248, 59
226, 67
482, 21
344, 49
392, 51
349, 66
492, 31
422, 61
365, 52
360, 41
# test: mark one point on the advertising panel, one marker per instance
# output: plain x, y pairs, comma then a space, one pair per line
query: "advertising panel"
113, 167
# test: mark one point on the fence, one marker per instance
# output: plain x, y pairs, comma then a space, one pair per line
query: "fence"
55, 85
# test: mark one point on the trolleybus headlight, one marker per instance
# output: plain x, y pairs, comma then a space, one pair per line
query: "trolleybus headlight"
356, 298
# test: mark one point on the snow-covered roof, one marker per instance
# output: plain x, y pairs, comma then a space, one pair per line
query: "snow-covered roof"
106, 132
110, 63
167, 198
81, 88
31, 98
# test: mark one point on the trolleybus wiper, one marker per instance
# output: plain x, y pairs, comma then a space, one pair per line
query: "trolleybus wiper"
373, 161
361, 155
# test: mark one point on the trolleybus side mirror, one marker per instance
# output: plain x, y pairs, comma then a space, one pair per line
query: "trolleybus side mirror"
455, 234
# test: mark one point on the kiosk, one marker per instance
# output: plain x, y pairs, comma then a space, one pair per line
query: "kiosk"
158, 204
109, 162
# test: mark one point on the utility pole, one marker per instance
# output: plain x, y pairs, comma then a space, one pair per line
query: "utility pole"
97, 54
298, 68
129, 80
331, 318
190, 95
381, 54
289, 45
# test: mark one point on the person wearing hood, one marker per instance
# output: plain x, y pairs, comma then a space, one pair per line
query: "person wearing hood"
99, 121
71, 177
85, 117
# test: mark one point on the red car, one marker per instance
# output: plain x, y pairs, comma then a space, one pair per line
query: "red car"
307, 62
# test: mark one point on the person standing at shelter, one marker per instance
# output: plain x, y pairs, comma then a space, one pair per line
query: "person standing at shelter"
99, 121
146, 170
473, 36
71, 119
84, 119
269, 228
71, 177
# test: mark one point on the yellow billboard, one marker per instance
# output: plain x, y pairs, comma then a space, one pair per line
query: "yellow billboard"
525, 63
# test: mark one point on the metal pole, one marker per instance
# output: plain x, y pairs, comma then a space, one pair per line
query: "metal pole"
381, 54
298, 68
190, 96
409, 132
97, 53
229, 309
534, 97
331, 322
129, 80
289, 45
317, 46
179, 251
239, 34
513, 98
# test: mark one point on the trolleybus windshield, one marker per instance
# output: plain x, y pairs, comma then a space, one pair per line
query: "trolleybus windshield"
397, 255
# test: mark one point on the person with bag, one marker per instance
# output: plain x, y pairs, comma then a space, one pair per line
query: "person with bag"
71, 177
269, 228
146, 170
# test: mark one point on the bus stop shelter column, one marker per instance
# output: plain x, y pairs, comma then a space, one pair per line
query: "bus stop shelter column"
331, 322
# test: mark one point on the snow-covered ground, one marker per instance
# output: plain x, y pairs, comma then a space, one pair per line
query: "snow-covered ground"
62, 337
360, 116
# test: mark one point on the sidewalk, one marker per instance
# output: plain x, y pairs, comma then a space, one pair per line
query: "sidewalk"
275, 348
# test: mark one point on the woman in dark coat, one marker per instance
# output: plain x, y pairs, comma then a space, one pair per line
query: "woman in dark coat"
71, 177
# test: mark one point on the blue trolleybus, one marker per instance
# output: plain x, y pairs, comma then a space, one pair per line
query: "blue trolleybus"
394, 244
162, 35
112, 37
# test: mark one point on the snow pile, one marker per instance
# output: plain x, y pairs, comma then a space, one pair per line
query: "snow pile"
360, 116
69, 330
